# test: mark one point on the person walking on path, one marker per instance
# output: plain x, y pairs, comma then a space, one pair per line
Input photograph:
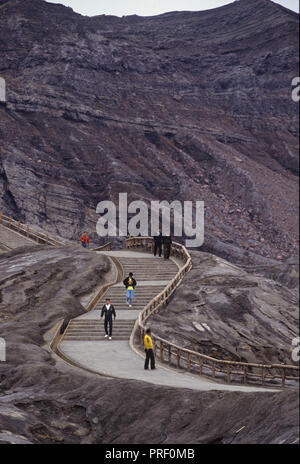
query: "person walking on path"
149, 350
158, 243
85, 241
167, 241
130, 284
108, 311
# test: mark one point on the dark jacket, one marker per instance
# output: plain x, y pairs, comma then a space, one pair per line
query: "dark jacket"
108, 313
158, 239
126, 282
167, 240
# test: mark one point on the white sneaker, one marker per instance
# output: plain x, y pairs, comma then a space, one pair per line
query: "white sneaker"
105, 336
130, 306
109, 338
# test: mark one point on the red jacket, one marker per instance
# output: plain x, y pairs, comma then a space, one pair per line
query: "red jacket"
85, 239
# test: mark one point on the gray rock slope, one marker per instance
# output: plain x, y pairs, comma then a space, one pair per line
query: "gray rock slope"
230, 312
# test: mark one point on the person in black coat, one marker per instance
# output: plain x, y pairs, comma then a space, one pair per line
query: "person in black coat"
108, 311
167, 241
158, 239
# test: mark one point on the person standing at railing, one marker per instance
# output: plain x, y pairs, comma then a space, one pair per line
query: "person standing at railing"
167, 241
158, 243
85, 241
130, 284
148, 345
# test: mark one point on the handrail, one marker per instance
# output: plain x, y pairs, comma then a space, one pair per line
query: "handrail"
193, 361
105, 247
25, 230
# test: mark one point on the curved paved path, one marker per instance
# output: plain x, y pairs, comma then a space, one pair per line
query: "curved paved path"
84, 343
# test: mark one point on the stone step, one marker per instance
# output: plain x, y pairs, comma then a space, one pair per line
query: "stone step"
117, 323
149, 271
134, 307
116, 300
99, 327
98, 335
121, 299
136, 295
161, 269
138, 292
157, 264
151, 265
122, 305
155, 261
140, 288
89, 339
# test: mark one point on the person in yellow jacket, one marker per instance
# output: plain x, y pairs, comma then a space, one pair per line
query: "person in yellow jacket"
149, 350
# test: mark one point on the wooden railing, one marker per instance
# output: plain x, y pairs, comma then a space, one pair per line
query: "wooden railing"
28, 232
192, 361
105, 247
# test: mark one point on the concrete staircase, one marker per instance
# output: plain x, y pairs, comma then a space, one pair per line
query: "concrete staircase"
143, 294
152, 275
87, 330
149, 269
84, 344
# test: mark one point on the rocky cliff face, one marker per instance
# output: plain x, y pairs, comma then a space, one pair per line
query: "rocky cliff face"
188, 106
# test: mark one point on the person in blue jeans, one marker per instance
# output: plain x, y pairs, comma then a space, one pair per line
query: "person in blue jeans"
130, 284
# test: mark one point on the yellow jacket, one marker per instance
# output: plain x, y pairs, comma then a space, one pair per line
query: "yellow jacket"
148, 343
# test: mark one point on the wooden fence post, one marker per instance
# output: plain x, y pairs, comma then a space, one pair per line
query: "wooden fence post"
262, 375
283, 378
161, 349
141, 335
213, 369
228, 373
245, 374
189, 362
178, 357
200, 365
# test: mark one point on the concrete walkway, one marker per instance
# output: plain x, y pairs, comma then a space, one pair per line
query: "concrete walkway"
84, 343
117, 359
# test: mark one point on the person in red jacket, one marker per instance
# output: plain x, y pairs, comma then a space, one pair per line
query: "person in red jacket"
85, 241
